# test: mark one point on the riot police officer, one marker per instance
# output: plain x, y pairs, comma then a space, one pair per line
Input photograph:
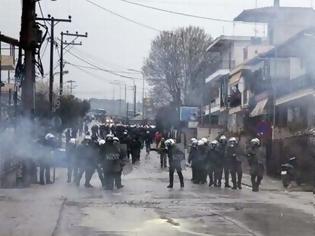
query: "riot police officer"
86, 160
235, 163
213, 165
49, 143
111, 158
126, 139
71, 155
118, 171
163, 152
175, 157
217, 162
256, 160
202, 152
222, 151
135, 149
192, 159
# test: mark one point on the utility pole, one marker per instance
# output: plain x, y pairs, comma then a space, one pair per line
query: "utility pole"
0, 83
53, 23
143, 98
64, 44
135, 101
27, 42
71, 82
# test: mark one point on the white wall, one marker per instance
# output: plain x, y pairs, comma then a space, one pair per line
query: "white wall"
297, 69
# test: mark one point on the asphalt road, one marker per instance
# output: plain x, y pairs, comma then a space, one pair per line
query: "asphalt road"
145, 207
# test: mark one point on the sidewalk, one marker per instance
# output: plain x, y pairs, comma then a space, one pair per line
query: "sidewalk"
272, 184
268, 183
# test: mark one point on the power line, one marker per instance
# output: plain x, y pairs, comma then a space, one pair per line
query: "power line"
102, 69
183, 13
123, 17
93, 68
127, 69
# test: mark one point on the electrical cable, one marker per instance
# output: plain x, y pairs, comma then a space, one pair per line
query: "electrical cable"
123, 17
94, 58
93, 68
103, 69
182, 13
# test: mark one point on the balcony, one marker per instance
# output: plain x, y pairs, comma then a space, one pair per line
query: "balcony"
215, 105
286, 87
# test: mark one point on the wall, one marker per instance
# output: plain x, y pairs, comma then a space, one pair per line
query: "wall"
297, 68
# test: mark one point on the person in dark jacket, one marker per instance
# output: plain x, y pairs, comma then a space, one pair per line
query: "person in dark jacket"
217, 162
202, 152
126, 139
71, 155
233, 156
192, 159
163, 152
48, 145
175, 157
211, 167
135, 148
112, 163
256, 159
87, 154
147, 141
222, 150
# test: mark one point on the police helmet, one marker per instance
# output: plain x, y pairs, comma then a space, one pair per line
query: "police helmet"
255, 141
194, 142
170, 142
205, 140
116, 140
232, 141
101, 142
49, 137
222, 139
87, 138
72, 141
200, 143
214, 144
109, 138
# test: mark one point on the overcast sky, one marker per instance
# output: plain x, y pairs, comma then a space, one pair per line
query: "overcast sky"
120, 45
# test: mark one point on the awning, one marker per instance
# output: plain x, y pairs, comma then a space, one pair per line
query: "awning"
259, 108
235, 78
218, 74
295, 96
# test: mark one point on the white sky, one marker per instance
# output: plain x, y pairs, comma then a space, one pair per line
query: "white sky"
116, 44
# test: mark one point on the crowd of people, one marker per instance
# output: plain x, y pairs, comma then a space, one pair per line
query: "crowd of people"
222, 159
107, 149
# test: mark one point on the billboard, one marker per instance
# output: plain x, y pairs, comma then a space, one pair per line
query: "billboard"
189, 113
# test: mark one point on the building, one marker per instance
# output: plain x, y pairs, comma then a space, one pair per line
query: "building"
282, 22
226, 85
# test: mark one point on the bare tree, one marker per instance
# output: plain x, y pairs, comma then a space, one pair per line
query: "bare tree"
178, 65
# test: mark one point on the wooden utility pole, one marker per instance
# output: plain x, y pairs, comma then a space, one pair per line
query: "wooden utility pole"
135, 101
71, 82
28, 43
53, 22
62, 47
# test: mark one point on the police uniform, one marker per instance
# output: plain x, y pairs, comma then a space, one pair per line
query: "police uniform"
175, 157
256, 160
193, 160
235, 165
112, 167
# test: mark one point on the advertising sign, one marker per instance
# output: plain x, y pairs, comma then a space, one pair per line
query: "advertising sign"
189, 113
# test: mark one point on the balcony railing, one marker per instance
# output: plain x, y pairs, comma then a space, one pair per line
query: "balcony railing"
285, 87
